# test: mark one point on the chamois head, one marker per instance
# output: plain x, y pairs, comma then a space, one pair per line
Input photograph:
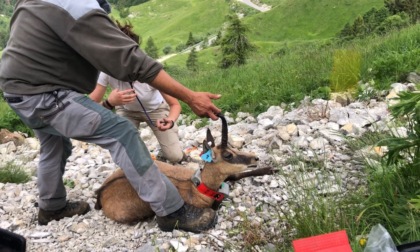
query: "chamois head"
228, 160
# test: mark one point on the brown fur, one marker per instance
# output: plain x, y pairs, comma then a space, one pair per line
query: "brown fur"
120, 202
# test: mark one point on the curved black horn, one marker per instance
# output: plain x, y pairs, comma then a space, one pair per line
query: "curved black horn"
224, 130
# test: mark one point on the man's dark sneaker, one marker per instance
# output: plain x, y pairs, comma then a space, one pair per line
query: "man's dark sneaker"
71, 208
188, 218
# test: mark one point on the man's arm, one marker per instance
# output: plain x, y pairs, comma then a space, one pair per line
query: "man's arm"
98, 94
174, 111
199, 102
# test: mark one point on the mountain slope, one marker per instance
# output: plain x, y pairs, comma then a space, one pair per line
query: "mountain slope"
306, 19
170, 22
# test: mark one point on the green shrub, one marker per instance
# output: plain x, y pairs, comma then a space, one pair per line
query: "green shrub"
69, 183
11, 121
395, 64
346, 70
167, 50
321, 93
393, 187
405, 150
180, 47
11, 173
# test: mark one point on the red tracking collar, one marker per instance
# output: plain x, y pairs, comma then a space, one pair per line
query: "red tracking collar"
210, 193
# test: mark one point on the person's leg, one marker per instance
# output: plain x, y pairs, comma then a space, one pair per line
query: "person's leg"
52, 202
166, 139
85, 120
54, 152
132, 116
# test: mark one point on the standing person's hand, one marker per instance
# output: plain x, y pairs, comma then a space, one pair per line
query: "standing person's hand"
201, 104
121, 97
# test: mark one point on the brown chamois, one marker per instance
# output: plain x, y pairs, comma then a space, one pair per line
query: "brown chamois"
120, 202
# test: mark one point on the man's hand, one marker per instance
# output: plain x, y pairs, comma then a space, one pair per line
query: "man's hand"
121, 97
201, 104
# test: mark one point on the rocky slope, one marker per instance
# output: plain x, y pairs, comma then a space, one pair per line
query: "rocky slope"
306, 144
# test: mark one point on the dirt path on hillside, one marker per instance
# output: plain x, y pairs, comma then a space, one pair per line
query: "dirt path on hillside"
262, 8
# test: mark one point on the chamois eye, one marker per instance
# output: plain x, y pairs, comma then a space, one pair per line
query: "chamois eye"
227, 155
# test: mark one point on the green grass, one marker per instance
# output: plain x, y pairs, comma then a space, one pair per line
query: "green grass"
390, 191
306, 20
297, 70
11, 121
11, 173
169, 22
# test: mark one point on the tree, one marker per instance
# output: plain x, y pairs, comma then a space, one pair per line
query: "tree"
218, 39
4, 33
371, 22
346, 32
205, 42
394, 22
151, 48
6, 7
190, 40
411, 7
359, 28
235, 45
167, 49
192, 61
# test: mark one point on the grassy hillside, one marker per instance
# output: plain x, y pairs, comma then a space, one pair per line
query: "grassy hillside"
170, 22
291, 23
301, 70
306, 20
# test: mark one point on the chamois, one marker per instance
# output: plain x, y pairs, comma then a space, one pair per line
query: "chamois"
121, 203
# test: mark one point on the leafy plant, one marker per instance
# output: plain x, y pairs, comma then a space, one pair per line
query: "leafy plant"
394, 187
406, 149
11, 121
12, 173
346, 70
321, 93
415, 203
70, 183
395, 64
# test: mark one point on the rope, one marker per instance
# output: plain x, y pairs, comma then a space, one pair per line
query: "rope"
144, 109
